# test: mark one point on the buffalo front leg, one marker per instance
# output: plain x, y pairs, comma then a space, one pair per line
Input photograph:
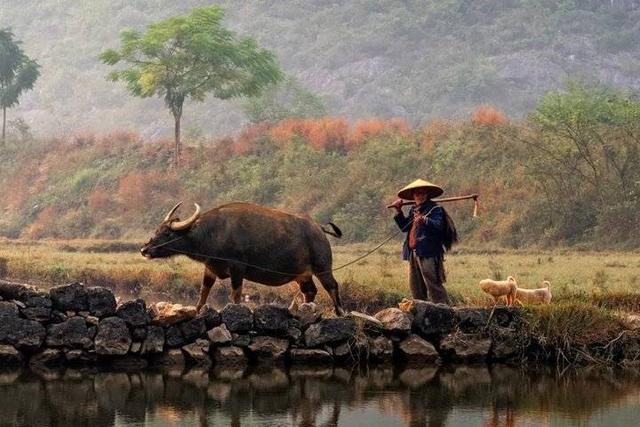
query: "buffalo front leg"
208, 279
237, 277
331, 285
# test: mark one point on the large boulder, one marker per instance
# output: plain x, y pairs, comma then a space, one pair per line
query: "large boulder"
265, 347
16, 291
294, 333
368, 324
69, 297
174, 337
154, 341
39, 314
101, 301
198, 353
48, 357
229, 356
330, 331
113, 337
173, 358
465, 347
416, 349
238, 318
310, 356
194, 328
166, 314
21, 333
308, 314
428, 318
505, 344
507, 317
471, 319
10, 356
37, 306
271, 319
241, 340
394, 320
211, 316
72, 333
219, 335
134, 313
80, 357
380, 349
8, 309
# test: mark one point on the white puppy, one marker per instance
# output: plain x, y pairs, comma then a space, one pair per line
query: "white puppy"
534, 296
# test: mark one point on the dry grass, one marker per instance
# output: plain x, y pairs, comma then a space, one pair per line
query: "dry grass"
607, 280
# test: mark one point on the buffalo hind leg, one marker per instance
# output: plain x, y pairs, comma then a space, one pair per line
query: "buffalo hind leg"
208, 279
308, 290
331, 285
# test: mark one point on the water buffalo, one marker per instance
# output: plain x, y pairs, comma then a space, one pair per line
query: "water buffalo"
245, 240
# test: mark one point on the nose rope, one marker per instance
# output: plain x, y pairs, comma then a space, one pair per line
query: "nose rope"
282, 273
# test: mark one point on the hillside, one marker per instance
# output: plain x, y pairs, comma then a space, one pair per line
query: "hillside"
567, 175
411, 59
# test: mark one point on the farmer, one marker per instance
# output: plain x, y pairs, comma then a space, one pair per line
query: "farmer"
430, 231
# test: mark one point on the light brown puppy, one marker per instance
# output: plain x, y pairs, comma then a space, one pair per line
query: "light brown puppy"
534, 296
500, 288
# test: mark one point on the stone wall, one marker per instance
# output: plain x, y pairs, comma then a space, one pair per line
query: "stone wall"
78, 325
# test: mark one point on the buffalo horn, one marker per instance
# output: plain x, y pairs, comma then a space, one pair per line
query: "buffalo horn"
171, 212
181, 225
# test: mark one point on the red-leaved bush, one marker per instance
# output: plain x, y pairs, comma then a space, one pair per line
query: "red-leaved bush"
486, 115
433, 132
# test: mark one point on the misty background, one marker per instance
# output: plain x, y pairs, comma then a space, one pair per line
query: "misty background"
417, 60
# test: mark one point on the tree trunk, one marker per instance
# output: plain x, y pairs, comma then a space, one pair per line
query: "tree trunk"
176, 110
4, 123
176, 153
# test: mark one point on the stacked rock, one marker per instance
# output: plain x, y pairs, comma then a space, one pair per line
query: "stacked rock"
76, 324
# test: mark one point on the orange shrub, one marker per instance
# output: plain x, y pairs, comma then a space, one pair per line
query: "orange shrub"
249, 138
44, 225
99, 200
374, 127
328, 133
486, 115
120, 137
284, 131
434, 131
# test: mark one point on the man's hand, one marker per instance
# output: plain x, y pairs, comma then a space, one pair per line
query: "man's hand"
397, 205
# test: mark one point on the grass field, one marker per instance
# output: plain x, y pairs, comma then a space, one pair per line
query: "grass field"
605, 279
594, 293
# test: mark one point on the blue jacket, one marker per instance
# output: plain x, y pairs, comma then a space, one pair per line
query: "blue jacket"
429, 233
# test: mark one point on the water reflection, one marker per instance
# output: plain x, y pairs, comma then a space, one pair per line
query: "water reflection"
275, 396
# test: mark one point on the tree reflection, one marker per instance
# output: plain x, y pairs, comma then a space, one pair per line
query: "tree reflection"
310, 397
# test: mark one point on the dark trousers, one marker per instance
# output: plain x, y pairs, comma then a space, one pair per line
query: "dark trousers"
426, 279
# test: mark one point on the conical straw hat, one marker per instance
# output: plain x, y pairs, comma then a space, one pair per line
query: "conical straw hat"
407, 192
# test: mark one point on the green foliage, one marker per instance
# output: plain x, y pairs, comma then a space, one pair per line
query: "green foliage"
530, 175
287, 100
18, 73
586, 156
187, 57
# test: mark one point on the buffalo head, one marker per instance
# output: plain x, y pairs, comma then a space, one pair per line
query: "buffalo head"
167, 239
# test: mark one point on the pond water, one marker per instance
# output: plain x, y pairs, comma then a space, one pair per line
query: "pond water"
278, 396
